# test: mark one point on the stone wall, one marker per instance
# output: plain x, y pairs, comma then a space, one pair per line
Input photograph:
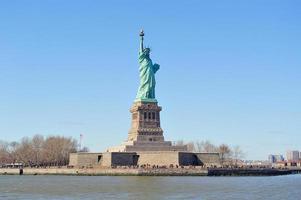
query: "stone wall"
124, 159
158, 158
106, 159
188, 158
84, 159
209, 159
108, 171
110, 159
74, 171
155, 146
186, 171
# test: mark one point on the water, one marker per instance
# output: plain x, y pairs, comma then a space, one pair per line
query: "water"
117, 187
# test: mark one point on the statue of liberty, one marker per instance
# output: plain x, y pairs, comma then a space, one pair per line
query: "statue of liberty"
147, 70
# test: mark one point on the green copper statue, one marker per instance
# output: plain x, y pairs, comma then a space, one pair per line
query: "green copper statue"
147, 70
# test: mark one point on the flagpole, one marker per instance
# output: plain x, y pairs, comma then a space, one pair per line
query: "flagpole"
80, 141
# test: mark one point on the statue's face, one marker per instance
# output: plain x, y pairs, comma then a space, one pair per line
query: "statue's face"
147, 51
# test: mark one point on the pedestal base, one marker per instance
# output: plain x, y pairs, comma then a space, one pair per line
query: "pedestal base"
146, 133
136, 146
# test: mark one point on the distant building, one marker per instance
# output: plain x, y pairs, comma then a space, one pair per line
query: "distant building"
275, 158
272, 158
292, 156
279, 158
256, 163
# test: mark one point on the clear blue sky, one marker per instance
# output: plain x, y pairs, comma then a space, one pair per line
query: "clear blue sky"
230, 70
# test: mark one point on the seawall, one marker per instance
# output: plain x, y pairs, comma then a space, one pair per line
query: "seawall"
108, 171
249, 172
149, 171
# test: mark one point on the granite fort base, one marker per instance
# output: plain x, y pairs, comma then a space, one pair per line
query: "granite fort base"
160, 158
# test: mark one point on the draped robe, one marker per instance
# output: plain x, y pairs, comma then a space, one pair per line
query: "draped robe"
147, 72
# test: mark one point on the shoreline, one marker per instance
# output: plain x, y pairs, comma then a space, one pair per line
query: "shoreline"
150, 171
106, 172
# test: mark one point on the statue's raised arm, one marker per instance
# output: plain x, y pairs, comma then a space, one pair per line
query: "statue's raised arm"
141, 40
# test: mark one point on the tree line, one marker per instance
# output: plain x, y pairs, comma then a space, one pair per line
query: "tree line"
38, 151
229, 156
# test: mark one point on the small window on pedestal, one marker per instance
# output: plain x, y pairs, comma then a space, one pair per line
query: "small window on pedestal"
154, 115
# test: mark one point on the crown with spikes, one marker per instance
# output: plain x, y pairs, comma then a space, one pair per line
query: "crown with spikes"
148, 47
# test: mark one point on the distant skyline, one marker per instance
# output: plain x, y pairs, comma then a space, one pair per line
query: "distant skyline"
230, 70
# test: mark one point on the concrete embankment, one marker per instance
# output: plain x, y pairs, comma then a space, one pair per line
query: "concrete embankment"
107, 171
249, 172
149, 171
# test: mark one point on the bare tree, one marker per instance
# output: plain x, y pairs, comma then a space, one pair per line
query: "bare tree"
13, 154
37, 151
198, 146
37, 145
237, 155
57, 149
4, 152
24, 152
190, 146
224, 152
208, 147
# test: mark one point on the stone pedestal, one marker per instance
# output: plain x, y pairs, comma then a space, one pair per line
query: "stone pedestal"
145, 126
146, 133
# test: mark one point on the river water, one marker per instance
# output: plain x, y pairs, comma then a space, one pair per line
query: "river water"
135, 187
